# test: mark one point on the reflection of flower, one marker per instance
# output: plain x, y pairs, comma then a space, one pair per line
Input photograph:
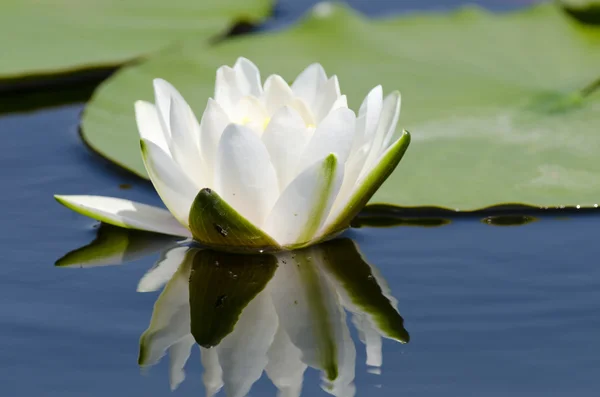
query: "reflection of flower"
268, 167
275, 313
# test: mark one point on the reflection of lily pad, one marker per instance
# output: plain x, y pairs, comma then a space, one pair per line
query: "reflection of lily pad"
494, 102
508, 220
221, 286
383, 221
49, 36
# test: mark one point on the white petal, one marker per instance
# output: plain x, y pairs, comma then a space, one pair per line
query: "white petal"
304, 205
213, 373
303, 110
285, 367
385, 129
248, 77
366, 126
251, 113
149, 125
174, 187
328, 95
163, 91
125, 213
341, 102
163, 270
285, 139
334, 135
179, 353
213, 123
243, 353
227, 91
277, 94
244, 175
308, 83
368, 117
396, 99
185, 139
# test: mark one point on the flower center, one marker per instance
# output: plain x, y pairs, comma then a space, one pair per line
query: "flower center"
248, 120
266, 122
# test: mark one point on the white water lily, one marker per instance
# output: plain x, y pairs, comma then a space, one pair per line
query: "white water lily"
269, 166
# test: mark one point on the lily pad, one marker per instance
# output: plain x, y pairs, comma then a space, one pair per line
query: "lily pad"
50, 36
502, 108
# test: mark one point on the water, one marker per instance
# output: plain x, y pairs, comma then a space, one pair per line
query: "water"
491, 310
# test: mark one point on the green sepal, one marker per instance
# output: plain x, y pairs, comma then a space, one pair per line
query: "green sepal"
372, 181
221, 286
216, 224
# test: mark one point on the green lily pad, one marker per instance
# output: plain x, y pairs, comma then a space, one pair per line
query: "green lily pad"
50, 36
502, 108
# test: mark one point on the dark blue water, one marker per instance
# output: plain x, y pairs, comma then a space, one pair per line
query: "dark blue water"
491, 310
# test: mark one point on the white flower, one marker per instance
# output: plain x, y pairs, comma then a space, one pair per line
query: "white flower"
268, 167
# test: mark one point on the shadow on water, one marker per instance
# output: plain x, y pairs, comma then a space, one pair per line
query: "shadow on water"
278, 313
29, 95
378, 215
587, 14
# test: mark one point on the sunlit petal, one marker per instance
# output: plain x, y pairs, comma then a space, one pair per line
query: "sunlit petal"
125, 213
304, 204
244, 175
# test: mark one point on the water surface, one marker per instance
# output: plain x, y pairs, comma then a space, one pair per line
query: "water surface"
490, 310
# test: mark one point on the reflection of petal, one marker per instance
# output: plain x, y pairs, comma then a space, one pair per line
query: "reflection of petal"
358, 286
247, 323
163, 270
243, 353
114, 246
365, 293
213, 374
343, 386
310, 313
179, 354
170, 321
285, 368
370, 337
221, 286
